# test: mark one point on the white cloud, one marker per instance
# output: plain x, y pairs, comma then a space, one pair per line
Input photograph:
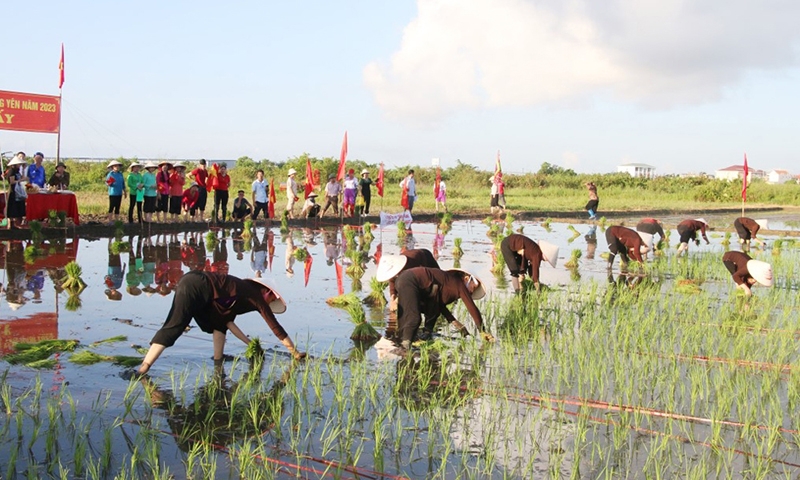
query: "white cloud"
468, 54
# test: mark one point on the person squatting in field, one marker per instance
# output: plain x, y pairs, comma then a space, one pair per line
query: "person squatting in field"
524, 256
214, 300
747, 228
746, 272
626, 242
687, 229
429, 291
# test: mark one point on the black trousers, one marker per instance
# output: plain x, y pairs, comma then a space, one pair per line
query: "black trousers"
193, 296
259, 207
616, 248
367, 200
138, 206
512, 258
220, 200
412, 302
686, 234
741, 230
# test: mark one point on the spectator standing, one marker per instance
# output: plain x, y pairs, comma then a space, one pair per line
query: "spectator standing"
177, 179
441, 196
291, 192
200, 177
350, 192
36, 174
221, 186
16, 203
135, 183
409, 189
260, 198
332, 191
162, 187
150, 190
116, 189
366, 190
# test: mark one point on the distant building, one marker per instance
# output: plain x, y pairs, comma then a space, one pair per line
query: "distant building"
637, 170
735, 172
779, 176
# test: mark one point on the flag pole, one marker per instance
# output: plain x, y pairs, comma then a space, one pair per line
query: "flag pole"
60, 103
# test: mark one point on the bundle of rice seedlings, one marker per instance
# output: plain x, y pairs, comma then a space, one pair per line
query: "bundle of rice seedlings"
363, 331
777, 245
498, 267
140, 349
35, 227
727, 240
349, 236
254, 349
247, 229
509, 220
87, 357
74, 302
120, 246
47, 363
376, 298
300, 254
488, 221
119, 229
687, 286
118, 338
285, 222
126, 361
546, 224
31, 253
73, 281
401, 229
211, 240
602, 223
573, 259
447, 221
457, 251
355, 270
342, 301
32, 352
368, 236
355, 284
572, 229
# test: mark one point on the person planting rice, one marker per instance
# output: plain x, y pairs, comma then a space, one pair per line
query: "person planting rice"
626, 242
523, 255
391, 265
214, 300
687, 229
747, 228
746, 272
429, 291
651, 226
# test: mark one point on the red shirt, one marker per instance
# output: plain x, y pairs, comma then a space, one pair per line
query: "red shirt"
176, 183
222, 182
200, 175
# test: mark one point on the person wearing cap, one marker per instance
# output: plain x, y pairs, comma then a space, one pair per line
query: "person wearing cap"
36, 174
177, 179
594, 200
150, 190
365, 185
116, 189
524, 256
214, 300
391, 265
60, 178
429, 291
241, 207
291, 192
15, 205
162, 191
350, 192
310, 207
747, 228
200, 176
221, 185
135, 183
687, 229
746, 272
625, 242
332, 191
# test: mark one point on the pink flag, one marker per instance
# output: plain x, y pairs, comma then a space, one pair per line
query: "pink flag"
745, 173
379, 181
342, 158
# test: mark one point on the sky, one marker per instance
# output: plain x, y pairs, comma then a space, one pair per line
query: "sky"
685, 86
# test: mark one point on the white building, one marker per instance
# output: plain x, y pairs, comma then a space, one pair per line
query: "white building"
779, 176
735, 172
637, 170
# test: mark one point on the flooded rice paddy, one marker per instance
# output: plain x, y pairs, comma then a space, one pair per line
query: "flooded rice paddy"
663, 372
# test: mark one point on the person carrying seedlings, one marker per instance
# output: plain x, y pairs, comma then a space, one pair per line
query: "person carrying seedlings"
523, 255
687, 229
428, 291
594, 200
214, 300
747, 228
746, 272
391, 265
626, 242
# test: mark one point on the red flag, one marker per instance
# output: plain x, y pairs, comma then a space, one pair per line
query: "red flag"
309, 178
272, 199
307, 268
339, 283
436, 183
61, 69
745, 173
497, 167
270, 249
379, 181
342, 158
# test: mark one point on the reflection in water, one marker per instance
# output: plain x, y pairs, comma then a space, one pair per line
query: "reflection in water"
591, 242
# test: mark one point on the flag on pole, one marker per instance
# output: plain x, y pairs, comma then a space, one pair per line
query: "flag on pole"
745, 173
437, 183
309, 178
379, 181
497, 167
61, 69
272, 199
342, 158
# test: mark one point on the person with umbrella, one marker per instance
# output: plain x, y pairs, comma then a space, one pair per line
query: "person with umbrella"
747, 272
522, 255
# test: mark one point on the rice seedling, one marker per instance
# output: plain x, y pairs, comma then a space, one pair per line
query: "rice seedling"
446, 221
349, 236
35, 227
457, 251
73, 282
546, 224
355, 270
211, 239
87, 357
602, 223
247, 228
363, 331
368, 236
284, 223
509, 221
401, 230
343, 301
376, 297
119, 229
574, 258
31, 253
300, 254
73, 302
32, 352
115, 339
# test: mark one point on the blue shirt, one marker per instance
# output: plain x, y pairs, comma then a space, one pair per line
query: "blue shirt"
36, 175
115, 189
260, 191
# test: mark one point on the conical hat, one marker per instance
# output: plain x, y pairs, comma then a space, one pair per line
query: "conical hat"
279, 304
390, 266
647, 239
763, 223
761, 271
701, 220
549, 252
14, 305
479, 291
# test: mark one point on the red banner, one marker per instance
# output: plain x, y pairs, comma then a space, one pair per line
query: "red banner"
29, 112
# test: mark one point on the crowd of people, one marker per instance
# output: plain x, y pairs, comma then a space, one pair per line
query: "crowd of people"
23, 176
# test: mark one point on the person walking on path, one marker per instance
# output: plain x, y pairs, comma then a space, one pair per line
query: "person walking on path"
441, 196
687, 229
200, 176
626, 243
366, 190
135, 184
594, 200
260, 198
746, 272
747, 228
214, 300
291, 192
116, 189
524, 256
332, 191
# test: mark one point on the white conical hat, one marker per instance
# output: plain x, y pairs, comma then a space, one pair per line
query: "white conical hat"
16, 161
150, 164
549, 252
279, 304
113, 162
761, 271
701, 220
390, 266
14, 305
763, 223
647, 239
479, 291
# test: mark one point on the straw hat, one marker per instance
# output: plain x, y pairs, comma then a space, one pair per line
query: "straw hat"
549, 252
164, 162
761, 271
14, 306
763, 223
364, 172
114, 163
701, 220
279, 304
390, 266
479, 291
292, 171
134, 164
178, 165
647, 239
16, 161
150, 164
312, 195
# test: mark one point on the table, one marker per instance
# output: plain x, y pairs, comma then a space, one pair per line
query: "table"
38, 205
